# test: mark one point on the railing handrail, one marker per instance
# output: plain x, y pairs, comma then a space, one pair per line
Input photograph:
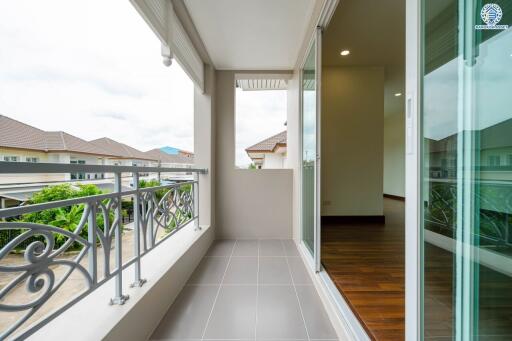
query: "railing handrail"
155, 220
41, 167
19, 210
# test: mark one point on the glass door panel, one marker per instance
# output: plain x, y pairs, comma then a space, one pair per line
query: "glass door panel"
466, 126
309, 138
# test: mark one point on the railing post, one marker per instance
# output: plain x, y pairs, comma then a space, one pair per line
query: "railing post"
119, 297
138, 282
195, 200
91, 238
151, 217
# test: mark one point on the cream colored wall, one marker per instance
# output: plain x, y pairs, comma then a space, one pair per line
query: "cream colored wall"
22, 154
293, 147
249, 204
273, 161
352, 140
204, 146
394, 154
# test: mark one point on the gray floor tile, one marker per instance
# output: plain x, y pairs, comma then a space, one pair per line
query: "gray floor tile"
290, 248
209, 271
188, 315
234, 314
221, 247
242, 270
279, 315
317, 321
299, 272
271, 247
246, 248
274, 270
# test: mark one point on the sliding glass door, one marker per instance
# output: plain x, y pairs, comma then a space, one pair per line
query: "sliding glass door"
466, 170
310, 163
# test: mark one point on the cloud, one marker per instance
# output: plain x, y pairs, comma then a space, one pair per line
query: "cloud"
75, 69
112, 115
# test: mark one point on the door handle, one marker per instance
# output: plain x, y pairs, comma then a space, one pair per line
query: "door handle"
409, 125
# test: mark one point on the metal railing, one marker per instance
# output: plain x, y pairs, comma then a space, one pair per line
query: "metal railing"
48, 262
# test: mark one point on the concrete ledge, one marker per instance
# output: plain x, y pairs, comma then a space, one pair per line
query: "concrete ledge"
166, 268
344, 321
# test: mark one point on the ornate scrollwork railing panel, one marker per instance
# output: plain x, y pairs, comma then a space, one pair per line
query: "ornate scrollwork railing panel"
47, 265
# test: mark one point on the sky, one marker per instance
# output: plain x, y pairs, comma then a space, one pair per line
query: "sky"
259, 115
93, 69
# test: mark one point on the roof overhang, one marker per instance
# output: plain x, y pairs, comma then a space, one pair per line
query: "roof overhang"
253, 35
262, 81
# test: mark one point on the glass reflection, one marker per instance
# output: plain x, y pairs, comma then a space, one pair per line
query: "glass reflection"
467, 171
308, 148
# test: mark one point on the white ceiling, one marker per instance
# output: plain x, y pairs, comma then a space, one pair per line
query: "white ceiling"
374, 32
250, 34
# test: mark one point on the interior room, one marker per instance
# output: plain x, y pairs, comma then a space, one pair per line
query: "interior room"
363, 161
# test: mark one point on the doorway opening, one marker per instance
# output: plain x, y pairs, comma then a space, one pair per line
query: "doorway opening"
363, 162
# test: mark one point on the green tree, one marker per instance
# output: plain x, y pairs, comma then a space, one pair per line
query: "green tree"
66, 218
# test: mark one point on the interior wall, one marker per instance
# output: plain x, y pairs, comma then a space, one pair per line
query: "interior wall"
352, 141
394, 131
394, 154
249, 203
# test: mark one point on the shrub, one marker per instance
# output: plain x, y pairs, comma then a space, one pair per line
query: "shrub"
66, 218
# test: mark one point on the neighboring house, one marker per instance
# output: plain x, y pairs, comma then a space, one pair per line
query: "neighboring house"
126, 155
495, 163
164, 159
20, 142
269, 153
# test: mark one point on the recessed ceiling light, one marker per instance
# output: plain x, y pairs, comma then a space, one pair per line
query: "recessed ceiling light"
398, 94
345, 52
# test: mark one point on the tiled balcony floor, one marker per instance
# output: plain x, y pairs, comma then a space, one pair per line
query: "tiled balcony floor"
248, 290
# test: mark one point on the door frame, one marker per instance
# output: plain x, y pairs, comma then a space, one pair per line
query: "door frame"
315, 259
413, 174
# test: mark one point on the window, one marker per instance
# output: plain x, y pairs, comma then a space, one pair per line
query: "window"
10, 158
260, 122
509, 159
77, 176
494, 160
32, 159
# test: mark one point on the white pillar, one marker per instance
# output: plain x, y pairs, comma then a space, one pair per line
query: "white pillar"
204, 140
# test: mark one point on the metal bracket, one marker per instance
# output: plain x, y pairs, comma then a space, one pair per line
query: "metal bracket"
119, 300
138, 283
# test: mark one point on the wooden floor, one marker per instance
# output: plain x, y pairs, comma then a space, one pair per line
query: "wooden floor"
366, 262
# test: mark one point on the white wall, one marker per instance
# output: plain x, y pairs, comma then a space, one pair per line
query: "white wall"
293, 147
394, 154
273, 161
204, 146
249, 203
352, 141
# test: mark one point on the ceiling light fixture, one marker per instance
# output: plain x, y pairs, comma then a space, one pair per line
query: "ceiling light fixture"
398, 94
345, 52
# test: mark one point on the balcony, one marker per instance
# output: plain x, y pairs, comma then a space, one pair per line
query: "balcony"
250, 290
115, 272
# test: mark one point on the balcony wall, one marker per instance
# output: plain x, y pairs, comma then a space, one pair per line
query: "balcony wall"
249, 203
